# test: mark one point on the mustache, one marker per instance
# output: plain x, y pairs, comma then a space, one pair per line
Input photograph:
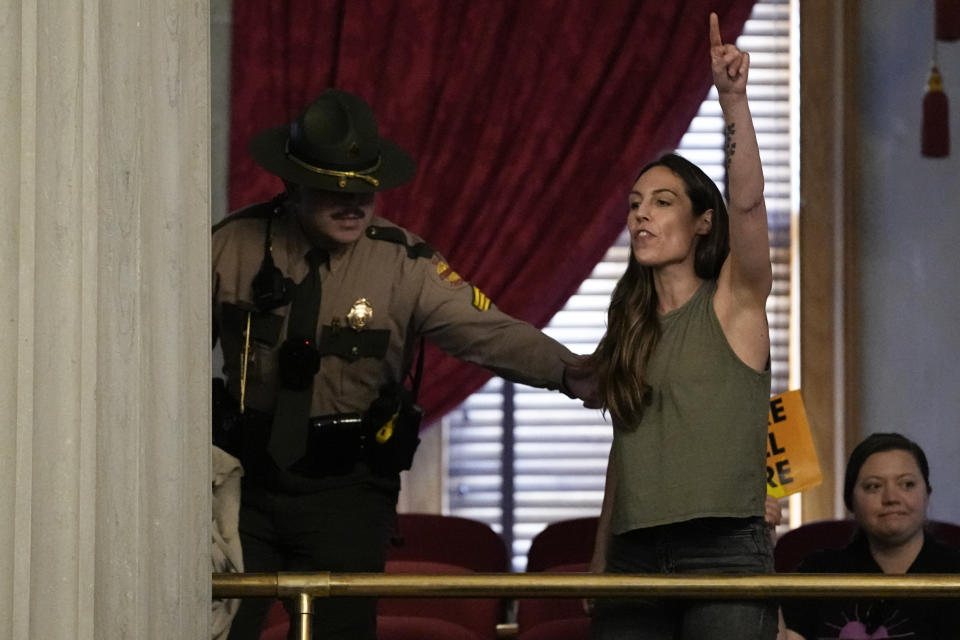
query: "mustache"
348, 212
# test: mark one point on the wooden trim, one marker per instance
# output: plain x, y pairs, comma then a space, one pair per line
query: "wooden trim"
829, 142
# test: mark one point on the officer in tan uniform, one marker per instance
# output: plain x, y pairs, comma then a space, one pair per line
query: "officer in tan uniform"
319, 306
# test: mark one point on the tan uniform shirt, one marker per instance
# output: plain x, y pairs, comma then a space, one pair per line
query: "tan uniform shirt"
412, 290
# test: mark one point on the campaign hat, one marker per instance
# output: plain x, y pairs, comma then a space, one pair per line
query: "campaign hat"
334, 144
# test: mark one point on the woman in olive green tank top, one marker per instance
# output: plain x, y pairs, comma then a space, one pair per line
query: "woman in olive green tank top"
683, 371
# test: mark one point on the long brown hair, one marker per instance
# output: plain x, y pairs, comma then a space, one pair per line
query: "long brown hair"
633, 329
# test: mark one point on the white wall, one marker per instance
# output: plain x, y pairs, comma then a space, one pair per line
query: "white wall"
909, 235
220, 30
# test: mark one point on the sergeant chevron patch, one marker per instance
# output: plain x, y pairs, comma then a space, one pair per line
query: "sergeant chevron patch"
480, 300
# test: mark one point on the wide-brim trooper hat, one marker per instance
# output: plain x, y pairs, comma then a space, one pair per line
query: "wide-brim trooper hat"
333, 145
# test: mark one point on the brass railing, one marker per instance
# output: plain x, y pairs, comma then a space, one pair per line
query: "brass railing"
303, 587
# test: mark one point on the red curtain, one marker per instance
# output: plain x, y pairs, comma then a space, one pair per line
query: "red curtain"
528, 120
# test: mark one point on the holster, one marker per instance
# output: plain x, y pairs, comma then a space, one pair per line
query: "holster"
385, 437
391, 430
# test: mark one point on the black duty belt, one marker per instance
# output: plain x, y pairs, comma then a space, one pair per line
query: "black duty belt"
334, 445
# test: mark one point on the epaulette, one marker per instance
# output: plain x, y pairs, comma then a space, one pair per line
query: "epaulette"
397, 236
259, 211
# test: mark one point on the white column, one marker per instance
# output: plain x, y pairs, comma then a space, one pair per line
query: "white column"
104, 290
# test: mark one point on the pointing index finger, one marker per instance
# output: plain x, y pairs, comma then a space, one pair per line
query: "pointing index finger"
715, 40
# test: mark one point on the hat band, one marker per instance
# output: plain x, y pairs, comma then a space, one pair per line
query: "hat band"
342, 175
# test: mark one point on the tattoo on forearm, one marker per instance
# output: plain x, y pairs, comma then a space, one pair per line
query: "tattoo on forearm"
731, 146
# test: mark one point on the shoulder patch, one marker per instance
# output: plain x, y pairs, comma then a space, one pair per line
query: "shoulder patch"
397, 236
445, 273
480, 301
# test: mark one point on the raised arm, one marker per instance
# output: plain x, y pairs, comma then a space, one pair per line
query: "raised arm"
749, 263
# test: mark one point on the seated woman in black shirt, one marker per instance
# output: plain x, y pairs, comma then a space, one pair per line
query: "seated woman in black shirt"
887, 487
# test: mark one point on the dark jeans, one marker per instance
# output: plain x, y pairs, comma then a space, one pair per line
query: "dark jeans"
704, 545
341, 529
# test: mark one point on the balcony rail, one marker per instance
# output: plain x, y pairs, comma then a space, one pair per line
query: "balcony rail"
304, 587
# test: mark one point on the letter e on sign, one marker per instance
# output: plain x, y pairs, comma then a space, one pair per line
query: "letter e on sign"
790, 452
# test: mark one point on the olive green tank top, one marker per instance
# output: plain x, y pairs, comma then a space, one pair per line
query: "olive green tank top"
700, 448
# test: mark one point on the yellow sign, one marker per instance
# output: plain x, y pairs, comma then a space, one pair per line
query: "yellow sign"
792, 463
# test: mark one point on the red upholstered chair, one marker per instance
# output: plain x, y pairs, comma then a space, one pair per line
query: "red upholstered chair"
564, 546
563, 543
408, 628
559, 618
416, 618
445, 544
435, 618
562, 629
450, 540
795, 545
457, 544
946, 532
277, 624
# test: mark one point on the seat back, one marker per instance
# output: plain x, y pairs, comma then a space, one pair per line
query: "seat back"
946, 532
796, 544
449, 540
567, 542
432, 543
564, 546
